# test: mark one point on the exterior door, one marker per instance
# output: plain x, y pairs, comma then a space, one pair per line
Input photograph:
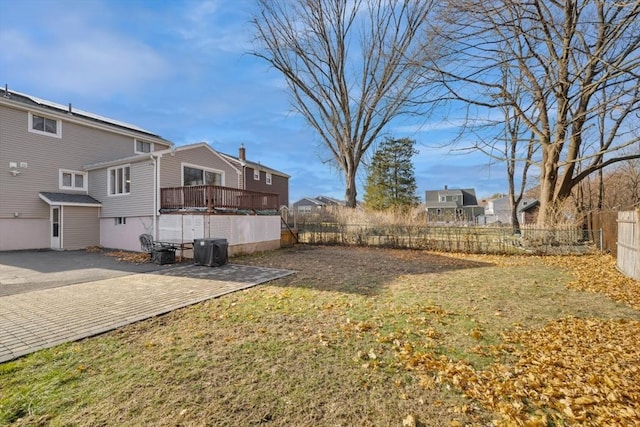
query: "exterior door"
56, 227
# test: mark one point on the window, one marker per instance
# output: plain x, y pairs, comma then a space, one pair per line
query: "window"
119, 180
256, 174
45, 125
455, 198
142, 147
72, 180
120, 220
268, 178
443, 198
194, 175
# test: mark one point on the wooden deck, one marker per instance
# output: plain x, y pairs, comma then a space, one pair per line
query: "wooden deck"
215, 198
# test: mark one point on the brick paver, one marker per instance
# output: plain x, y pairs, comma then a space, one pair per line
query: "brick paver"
44, 318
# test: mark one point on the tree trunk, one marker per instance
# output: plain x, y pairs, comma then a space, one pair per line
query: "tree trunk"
350, 192
548, 180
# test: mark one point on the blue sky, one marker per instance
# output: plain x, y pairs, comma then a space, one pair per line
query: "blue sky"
180, 69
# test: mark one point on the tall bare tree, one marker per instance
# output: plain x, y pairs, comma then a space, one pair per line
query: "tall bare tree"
351, 67
572, 60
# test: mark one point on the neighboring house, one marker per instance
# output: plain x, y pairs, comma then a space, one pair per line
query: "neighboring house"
528, 214
314, 204
498, 211
70, 179
257, 177
459, 206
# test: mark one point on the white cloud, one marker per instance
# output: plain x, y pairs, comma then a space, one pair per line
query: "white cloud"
215, 25
77, 53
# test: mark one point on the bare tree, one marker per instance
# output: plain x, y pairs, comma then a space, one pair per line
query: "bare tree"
514, 144
351, 67
565, 56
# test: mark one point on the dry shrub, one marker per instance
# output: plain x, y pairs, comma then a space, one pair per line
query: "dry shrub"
393, 216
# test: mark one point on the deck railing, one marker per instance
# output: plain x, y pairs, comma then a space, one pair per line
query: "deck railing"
214, 197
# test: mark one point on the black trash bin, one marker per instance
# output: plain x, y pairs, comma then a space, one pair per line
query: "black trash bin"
211, 252
163, 256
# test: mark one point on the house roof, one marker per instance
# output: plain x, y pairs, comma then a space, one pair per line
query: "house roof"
66, 199
309, 200
109, 163
468, 196
223, 157
329, 200
529, 206
33, 101
253, 165
320, 201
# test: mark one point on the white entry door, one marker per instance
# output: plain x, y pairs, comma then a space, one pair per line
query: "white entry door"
56, 227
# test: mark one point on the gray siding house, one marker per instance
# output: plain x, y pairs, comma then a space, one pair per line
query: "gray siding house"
72, 179
452, 206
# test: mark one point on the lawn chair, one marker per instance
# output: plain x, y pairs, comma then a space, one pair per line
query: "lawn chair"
155, 249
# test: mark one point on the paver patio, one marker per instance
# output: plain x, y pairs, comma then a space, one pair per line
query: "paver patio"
31, 321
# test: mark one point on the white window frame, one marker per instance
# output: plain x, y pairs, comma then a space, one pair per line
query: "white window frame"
120, 220
57, 134
85, 180
203, 168
443, 199
111, 192
256, 174
268, 178
135, 146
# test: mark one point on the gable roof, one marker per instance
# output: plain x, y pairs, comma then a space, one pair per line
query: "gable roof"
222, 156
66, 199
309, 201
26, 100
319, 201
253, 165
529, 206
432, 197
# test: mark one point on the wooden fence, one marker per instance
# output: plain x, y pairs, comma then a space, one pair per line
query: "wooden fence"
629, 243
606, 223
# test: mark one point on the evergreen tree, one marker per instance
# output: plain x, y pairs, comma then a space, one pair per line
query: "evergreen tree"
391, 180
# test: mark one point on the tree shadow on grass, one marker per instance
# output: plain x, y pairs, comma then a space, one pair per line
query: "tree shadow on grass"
349, 269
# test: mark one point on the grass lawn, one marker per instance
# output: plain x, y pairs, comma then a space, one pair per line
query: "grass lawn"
360, 337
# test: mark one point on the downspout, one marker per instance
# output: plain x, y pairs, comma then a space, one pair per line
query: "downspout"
155, 157
155, 196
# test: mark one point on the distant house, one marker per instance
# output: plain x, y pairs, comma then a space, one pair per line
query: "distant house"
257, 177
498, 211
459, 206
311, 204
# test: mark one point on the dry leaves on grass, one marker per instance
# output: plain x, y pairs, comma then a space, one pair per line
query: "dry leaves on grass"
593, 273
578, 371
598, 273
